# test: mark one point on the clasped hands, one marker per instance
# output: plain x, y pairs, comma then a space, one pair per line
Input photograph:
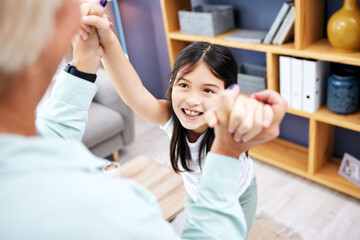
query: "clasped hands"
240, 122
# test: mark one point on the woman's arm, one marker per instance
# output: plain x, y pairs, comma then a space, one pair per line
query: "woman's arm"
64, 114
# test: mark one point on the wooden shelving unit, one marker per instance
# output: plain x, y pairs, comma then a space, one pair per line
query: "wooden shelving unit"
315, 162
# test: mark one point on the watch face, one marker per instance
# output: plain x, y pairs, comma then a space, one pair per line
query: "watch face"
67, 68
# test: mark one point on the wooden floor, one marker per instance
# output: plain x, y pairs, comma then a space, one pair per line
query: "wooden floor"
314, 211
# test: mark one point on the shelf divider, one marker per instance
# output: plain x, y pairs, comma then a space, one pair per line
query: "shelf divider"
272, 71
309, 19
321, 141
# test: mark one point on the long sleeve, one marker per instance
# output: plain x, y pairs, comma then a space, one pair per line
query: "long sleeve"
217, 213
64, 114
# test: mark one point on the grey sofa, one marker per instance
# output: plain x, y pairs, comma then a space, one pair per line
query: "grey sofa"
110, 124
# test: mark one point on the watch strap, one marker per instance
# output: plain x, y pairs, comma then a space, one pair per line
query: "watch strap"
91, 77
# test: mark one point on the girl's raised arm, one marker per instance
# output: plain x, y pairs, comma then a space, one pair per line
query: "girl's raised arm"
129, 86
123, 76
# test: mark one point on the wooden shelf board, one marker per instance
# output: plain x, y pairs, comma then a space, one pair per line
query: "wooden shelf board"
324, 51
299, 113
220, 39
323, 114
350, 121
321, 50
283, 154
328, 176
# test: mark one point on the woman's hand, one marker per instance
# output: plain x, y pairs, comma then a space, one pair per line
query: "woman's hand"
244, 117
248, 117
87, 49
94, 16
241, 123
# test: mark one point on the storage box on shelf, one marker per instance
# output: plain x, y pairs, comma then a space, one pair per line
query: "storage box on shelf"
207, 20
315, 162
251, 78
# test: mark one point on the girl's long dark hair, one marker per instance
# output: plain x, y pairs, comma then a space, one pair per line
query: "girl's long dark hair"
223, 66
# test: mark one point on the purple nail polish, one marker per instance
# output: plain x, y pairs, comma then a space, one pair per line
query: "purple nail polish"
232, 86
103, 3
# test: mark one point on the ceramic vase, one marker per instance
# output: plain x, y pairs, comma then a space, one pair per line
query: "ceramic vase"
343, 92
343, 28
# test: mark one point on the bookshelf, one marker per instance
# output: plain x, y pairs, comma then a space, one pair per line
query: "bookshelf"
315, 162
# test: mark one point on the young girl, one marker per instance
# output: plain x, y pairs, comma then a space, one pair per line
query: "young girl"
201, 71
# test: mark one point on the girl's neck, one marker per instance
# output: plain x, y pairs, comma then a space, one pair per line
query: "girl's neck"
193, 136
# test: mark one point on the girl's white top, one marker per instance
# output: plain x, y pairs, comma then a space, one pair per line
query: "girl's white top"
192, 179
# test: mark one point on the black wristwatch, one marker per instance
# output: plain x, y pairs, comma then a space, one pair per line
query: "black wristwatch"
83, 75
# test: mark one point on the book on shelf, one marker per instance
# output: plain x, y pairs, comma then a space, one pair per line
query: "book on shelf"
277, 23
315, 75
286, 30
245, 35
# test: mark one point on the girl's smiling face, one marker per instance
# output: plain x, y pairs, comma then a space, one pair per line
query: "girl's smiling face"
194, 94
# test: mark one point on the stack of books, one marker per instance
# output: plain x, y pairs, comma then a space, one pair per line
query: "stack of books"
246, 35
303, 82
282, 28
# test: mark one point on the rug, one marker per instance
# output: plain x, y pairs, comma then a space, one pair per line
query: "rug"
266, 228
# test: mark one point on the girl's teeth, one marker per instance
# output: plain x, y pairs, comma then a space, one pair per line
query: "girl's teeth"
191, 113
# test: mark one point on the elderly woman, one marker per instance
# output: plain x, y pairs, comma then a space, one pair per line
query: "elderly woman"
51, 186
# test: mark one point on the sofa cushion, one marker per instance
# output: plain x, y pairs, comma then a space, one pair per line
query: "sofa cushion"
107, 147
103, 123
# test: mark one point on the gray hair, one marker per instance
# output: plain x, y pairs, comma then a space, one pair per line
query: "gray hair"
25, 27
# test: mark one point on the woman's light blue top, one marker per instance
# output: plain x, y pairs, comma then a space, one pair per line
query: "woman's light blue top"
51, 188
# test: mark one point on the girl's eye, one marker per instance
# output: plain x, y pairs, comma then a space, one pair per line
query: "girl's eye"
208, 90
183, 85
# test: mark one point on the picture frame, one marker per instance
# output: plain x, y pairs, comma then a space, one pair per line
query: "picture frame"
350, 169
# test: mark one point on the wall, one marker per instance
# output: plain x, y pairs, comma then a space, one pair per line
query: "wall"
146, 43
145, 39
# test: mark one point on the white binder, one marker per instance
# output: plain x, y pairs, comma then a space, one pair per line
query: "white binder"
285, 78
315, 74
296, 83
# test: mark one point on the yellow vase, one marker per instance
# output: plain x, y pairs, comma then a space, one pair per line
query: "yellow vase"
343, 28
